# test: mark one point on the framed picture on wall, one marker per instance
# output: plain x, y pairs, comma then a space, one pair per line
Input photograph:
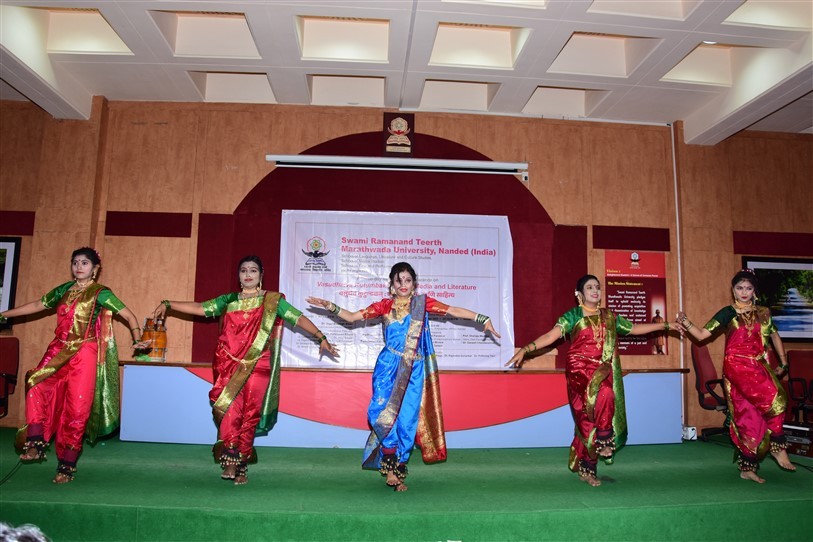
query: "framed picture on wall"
9, 266
786, 287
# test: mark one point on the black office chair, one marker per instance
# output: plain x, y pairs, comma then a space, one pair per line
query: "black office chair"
709, 389
800, 385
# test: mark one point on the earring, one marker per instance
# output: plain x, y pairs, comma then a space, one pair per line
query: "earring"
260, 286
755, 298
93, 275
392, 290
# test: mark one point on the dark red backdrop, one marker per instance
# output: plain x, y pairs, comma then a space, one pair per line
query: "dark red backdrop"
542, 290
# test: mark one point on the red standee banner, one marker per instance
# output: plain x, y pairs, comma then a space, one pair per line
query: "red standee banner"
635, 288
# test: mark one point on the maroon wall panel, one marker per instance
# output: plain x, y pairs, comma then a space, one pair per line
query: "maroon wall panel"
17, 222
757, 243
128, 223
628, 238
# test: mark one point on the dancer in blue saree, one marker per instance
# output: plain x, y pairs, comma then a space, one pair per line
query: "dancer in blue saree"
405, 407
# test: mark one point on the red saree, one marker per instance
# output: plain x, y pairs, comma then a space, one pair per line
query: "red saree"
756, 400
594, 385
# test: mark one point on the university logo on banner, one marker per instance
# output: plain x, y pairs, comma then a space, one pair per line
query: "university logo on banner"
315, 250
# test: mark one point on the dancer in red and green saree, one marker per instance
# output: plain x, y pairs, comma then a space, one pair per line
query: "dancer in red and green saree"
756, 399
593, 372
405, 406
73, 392
246, 366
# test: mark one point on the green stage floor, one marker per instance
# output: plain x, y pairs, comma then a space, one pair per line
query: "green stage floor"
160, 492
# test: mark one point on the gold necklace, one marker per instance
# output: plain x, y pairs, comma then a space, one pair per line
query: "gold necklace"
400, 306
585, 307
244, 294
749, 318
76, 290
596, 327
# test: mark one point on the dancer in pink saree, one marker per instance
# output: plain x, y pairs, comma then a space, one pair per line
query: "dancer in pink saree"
73, 392
756, 400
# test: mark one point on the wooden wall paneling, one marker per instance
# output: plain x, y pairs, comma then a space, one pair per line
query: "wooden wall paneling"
799, 181
152, 159
630, 175
142, 271
21, 128
557, 173
757, 167
462, 129
331, 123
234, 147
101, 180
505, 139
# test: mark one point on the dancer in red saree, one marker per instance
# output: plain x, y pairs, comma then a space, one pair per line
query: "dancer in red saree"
73, 392
594, 386
756, 400
246, 367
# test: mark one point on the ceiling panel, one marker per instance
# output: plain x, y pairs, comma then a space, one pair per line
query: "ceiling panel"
637, 62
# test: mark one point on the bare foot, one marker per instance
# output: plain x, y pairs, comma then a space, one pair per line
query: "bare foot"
229, 472
31, 454
784, 461
401, 487
240, 480
751, 475
61, 478
392, 479
590, 479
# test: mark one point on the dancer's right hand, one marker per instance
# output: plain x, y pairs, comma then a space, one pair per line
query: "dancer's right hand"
517, 360
160, 312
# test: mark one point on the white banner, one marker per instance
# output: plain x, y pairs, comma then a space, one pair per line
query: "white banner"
461, 260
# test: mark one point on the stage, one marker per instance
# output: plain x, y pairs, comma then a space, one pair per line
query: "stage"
132, 491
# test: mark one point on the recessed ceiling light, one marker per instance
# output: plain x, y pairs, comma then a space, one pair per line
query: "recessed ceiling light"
709, 42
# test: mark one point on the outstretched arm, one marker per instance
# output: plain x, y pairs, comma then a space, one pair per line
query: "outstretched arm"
459, 312
186, 307
540, 342
344, 314
699, 334
23, 310
643, 329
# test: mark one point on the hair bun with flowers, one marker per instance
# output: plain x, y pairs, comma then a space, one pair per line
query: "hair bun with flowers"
90, 249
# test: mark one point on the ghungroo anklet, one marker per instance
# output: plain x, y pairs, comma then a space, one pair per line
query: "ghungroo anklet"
587, 469
229, 457
778, 444
67, 470
242, 469
38, 444
746, 464
603, 444
401, 471
388, 464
